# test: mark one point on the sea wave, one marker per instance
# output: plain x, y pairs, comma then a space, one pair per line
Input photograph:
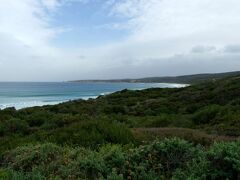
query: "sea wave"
105, 93
170, 85
21, 105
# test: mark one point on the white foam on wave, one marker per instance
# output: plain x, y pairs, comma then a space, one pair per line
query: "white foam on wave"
163, 85
26, 104
21, 105
88, 97
105, 93
170, 85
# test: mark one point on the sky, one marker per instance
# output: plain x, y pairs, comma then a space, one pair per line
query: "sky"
60, 40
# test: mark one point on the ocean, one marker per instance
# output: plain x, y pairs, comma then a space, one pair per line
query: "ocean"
29, 94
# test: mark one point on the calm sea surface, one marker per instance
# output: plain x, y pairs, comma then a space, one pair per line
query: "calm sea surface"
21, 95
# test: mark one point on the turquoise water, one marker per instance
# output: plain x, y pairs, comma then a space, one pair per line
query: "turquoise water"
21, 95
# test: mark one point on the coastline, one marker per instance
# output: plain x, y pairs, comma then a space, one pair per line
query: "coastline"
36, 102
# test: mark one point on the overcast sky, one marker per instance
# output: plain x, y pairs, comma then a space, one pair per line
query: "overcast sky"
57, 40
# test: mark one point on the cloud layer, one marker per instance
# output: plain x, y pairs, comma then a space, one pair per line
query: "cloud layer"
166, 37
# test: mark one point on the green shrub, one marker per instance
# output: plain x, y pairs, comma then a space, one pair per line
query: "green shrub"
27, 158
224, 161
4, 174
8, 111
160, 158
206, 115
114, 156
37, 118
92, 134
15, 175
167, 159
14, 125
92, 165
220, 161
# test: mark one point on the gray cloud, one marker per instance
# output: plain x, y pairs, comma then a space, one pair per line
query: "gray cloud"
232, 49
175, 65
203, 49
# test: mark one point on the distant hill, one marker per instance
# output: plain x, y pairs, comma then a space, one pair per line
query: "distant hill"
187, 79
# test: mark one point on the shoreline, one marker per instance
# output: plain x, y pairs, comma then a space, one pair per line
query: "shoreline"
35, 103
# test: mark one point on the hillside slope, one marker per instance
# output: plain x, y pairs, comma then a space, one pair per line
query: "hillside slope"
100, 138
213, 107
186, 79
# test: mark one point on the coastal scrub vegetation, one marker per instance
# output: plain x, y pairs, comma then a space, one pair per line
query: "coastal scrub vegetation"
166, 159
171, 133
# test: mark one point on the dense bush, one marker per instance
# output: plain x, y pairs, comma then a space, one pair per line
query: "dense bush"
224, 161
161, 158
206, 115
13, 126
92, 134
7, 113
26, 158
166, 159
220, 161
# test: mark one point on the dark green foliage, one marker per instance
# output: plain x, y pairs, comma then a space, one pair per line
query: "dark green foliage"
3, 174
92, 134
220, 161
13, 126
206, 115
224, 161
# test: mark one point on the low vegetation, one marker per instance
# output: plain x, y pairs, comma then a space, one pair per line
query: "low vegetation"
114, 136
166, 159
